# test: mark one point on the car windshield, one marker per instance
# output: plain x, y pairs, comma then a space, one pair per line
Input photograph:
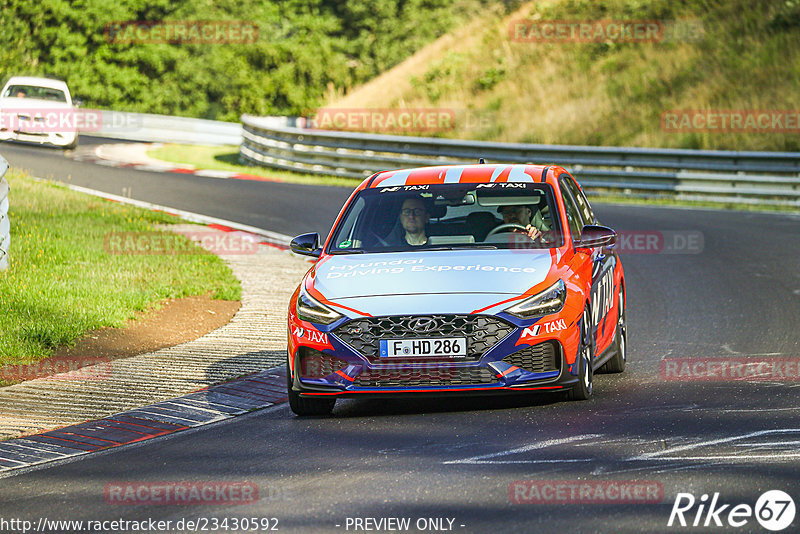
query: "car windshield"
486, 215
35, 91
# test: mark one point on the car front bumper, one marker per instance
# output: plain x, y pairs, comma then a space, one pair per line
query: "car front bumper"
51, 138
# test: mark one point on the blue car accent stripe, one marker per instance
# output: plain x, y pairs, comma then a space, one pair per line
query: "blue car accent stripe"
345, 376
509, 370
431, 390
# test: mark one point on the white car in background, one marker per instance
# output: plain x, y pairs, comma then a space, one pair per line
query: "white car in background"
38, 110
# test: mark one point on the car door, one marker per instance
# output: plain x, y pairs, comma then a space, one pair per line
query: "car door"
579, 214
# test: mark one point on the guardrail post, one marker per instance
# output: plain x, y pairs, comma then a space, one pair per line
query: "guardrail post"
5, 223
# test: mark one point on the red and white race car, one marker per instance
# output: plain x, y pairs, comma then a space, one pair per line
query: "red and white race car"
457, 280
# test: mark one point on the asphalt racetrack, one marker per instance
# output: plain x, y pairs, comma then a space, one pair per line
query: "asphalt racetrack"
728, 295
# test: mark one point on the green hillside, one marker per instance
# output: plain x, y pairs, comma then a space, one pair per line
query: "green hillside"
712, 56
304, 50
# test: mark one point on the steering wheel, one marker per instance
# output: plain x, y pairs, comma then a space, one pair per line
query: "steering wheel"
508, 227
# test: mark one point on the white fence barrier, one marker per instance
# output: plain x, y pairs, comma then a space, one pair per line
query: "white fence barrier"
5, 223
165, 129
151, 128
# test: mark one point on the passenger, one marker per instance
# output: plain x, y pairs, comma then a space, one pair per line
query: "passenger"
414, 216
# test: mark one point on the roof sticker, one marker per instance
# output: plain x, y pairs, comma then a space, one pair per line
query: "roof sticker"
518, 174
474, 174
504, 174
380, 178
497, 170
398, 178
426, 175
453, 176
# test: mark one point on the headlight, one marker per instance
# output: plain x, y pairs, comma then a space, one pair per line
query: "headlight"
551, 300
311, 310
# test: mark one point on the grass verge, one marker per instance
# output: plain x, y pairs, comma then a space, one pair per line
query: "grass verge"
62, 282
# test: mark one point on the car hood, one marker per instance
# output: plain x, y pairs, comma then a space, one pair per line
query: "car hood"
430, 281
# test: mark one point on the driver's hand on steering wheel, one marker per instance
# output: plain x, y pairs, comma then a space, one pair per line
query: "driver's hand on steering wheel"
533, 232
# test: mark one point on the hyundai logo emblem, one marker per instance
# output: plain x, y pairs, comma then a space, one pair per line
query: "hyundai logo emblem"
423, 324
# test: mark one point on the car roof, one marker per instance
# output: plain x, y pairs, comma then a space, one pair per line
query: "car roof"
39, 82
480, 173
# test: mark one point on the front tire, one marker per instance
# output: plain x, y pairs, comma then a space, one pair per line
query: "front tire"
304, 406
583, 389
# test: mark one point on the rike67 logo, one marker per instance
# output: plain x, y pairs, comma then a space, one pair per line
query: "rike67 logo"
774, 510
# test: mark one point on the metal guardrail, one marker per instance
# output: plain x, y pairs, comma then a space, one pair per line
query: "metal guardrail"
166, 129
716, 175
5, 223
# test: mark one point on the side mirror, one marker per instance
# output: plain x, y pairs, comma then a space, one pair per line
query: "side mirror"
306, 245
593, 236
77, 103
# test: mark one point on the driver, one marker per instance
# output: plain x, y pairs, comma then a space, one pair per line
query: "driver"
523, 216
414, 215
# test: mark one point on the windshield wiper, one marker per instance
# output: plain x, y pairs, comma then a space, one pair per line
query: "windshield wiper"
460, 247
349, 251
415, 249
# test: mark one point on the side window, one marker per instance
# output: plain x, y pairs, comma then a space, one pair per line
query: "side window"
345, 238
574, 218
580, 199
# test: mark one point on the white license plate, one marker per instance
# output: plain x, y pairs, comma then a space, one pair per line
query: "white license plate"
447, 347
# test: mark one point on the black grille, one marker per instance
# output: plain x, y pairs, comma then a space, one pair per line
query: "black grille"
539, 358
316, 364
425, 376
482, 332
